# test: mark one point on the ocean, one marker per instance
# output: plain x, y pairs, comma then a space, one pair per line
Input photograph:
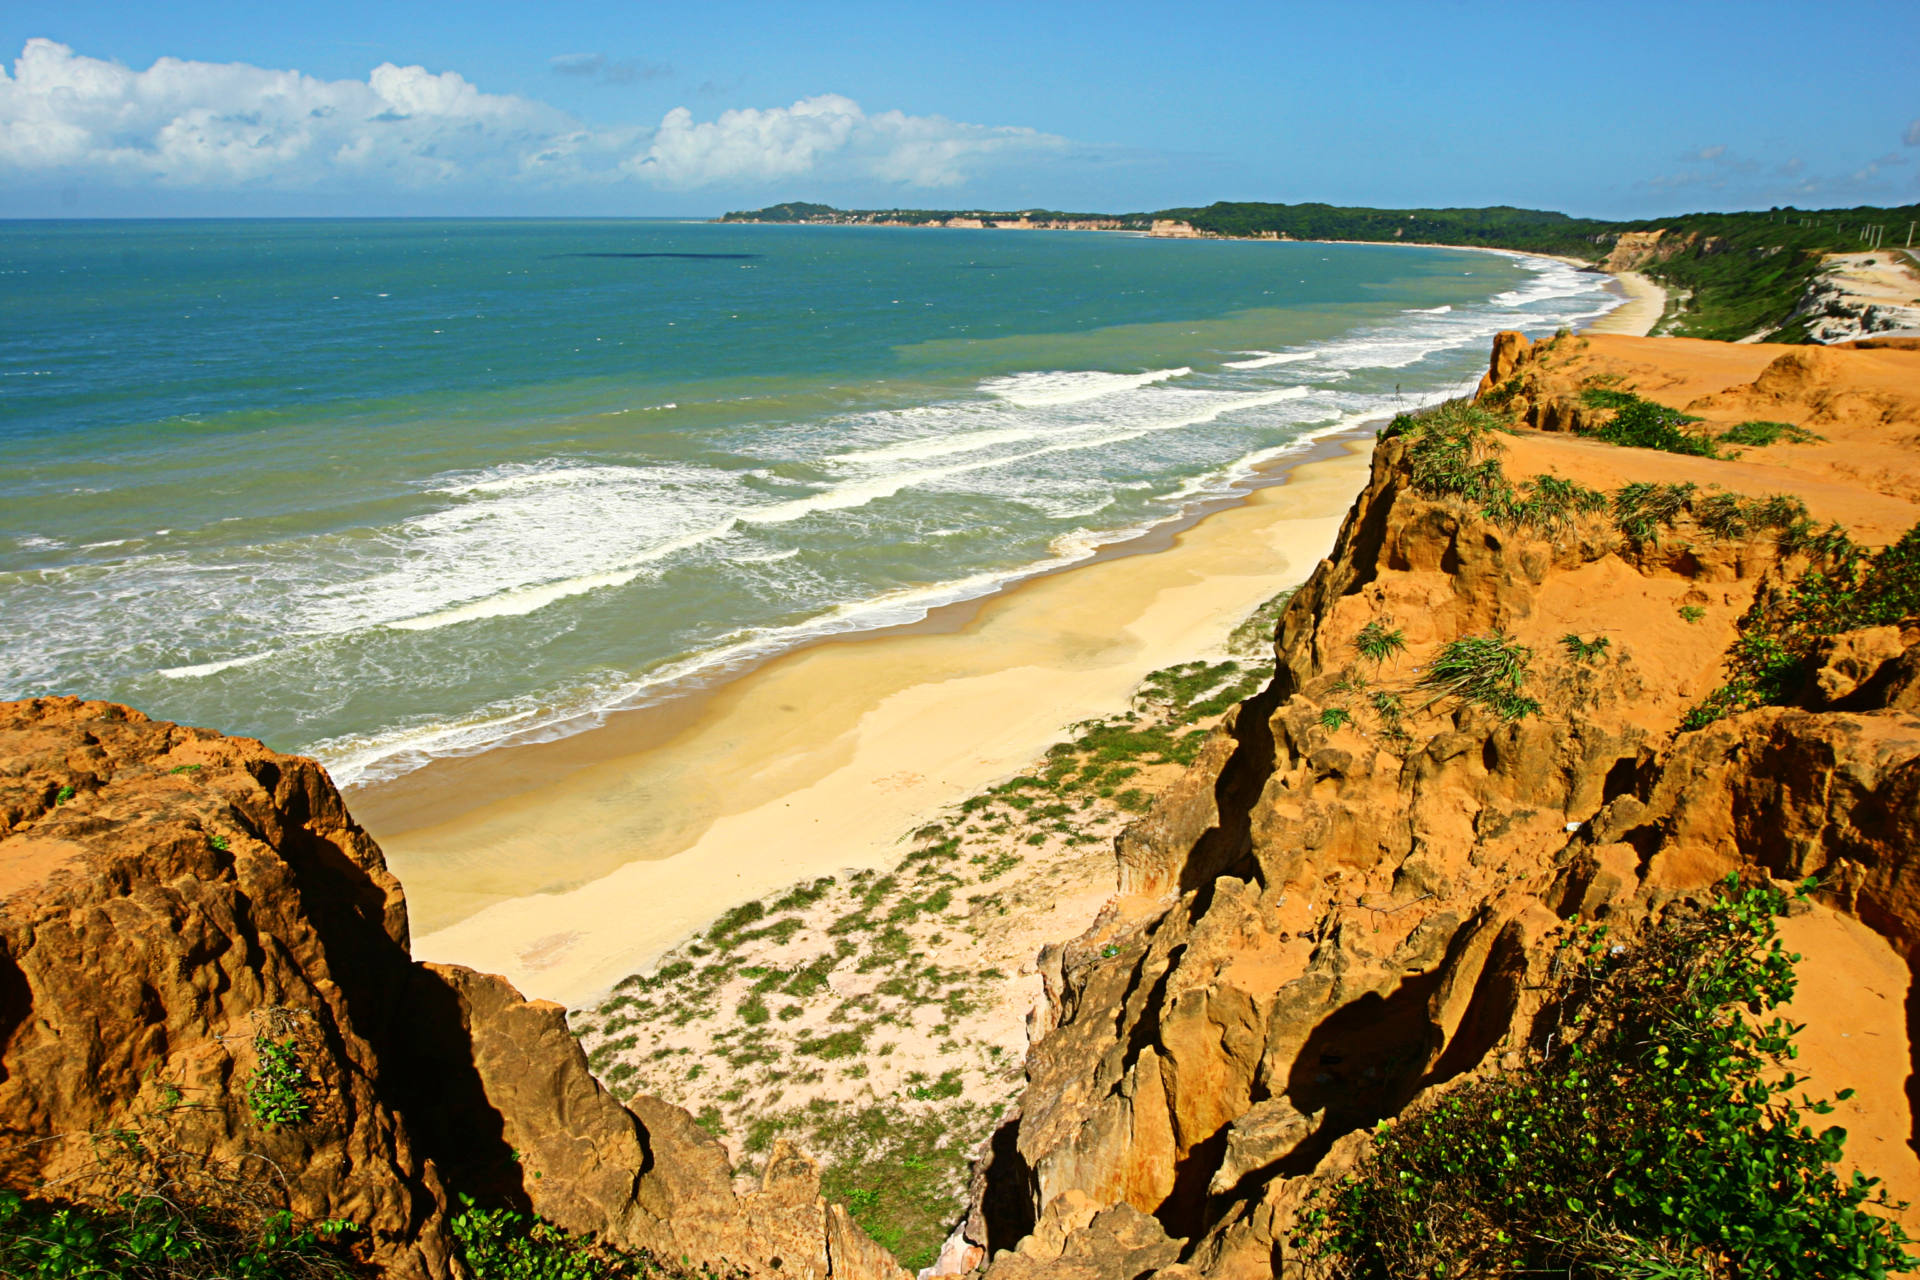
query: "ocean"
380, 491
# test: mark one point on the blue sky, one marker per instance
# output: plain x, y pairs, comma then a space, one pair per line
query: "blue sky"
1615, 110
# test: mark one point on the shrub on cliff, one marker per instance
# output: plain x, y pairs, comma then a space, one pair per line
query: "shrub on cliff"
1452, 452
1842, 589
1642, 424
151, 1237
1656, 1134
1488, 670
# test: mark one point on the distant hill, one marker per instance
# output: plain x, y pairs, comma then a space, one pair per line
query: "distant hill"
1040, 219
1731, 275
1500, 227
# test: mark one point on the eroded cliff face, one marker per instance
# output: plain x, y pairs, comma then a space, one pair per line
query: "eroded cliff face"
1332, 914
169, 896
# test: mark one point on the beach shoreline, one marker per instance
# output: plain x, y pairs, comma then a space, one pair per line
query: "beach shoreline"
566, 864
659, 827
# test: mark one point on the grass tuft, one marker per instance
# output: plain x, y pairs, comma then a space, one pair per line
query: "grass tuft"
1377, 642
1641, 424
1760, 434
1584, 650
1488, 670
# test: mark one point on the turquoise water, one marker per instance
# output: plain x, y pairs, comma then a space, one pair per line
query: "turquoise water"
381, 490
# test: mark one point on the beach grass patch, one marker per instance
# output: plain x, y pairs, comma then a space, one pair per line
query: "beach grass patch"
1638, 423
1761, 434
1664, 1133
1378, 642
834, 1045
1488, 670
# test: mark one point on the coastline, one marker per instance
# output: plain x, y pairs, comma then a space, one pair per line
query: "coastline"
859, 738
565, 865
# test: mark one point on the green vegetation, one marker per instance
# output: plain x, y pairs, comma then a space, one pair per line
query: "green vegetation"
726, 930
63, 795
1547, 505
895, 1167
773, 1043
1766, 433
155, 1238
1657, 1137
1333, 719
1584, 650
1691, 613
277, 1089
1377, 642
804, 895
1498, 227
1642, 509
1745, 273
1452, 452
788, 211
1731, 274
1488, 670
1843, 588
503, 1244
1253, 638
1642, 424
801, 211
1737, 273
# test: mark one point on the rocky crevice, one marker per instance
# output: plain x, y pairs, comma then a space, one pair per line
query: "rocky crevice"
168, 895
1325, 919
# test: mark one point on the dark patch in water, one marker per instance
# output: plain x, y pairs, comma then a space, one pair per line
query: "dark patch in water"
730, 257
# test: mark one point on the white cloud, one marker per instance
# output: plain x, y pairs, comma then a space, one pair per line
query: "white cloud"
227, 124
224, 125
749, 145
1912, 136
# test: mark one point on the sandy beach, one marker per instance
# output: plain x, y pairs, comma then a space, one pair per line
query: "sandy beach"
821, 760
1646, 303
567, 865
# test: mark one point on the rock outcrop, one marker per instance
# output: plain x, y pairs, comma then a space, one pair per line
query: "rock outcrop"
1333, 914
1859, 407
173, 901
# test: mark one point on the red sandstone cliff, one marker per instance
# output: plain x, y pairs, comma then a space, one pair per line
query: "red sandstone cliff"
1318, 925
168, 894
1321, 922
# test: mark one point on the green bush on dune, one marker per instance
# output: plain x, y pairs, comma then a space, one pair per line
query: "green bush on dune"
1641, 424
1843, 588
1660, 1134
156, 1238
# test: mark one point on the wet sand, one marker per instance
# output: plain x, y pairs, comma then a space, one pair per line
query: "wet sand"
1646, 303
568, 866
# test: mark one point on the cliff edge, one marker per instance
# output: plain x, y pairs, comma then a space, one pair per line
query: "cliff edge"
206, 997
1355, 900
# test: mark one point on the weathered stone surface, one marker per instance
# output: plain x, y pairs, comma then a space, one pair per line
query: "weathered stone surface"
1319, 924
168, 893
188, 891
1508, 348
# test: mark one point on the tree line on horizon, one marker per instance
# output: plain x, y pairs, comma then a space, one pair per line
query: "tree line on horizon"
1740, 273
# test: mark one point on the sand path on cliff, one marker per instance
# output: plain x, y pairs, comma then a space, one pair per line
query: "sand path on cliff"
824, 759
1852, 1001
